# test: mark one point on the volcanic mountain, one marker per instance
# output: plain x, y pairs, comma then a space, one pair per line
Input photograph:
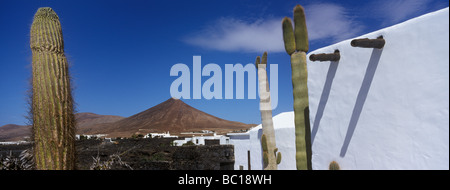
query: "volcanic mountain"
174, 116
87, 122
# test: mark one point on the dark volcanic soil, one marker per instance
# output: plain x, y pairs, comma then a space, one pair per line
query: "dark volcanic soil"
137, 153
145, 154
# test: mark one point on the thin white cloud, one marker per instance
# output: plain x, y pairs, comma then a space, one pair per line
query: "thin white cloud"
324, 21
229, 34
330, 21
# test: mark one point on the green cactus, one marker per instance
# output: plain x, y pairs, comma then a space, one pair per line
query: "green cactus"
265, 107
296, 45
278, 157
52, 104
266, 152
265, 159
334, 166
300, 31
264, 143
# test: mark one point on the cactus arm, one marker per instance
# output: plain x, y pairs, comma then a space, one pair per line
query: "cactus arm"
334, 166
278, 158
300, 30
257, 61
265, 160
264, 151
264, 143
288, 35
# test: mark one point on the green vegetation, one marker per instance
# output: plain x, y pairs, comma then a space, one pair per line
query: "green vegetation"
189, 143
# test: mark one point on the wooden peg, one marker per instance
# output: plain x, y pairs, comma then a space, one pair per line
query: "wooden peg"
326, 56
368, 43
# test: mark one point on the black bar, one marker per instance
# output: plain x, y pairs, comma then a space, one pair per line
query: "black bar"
368, 43
326, 57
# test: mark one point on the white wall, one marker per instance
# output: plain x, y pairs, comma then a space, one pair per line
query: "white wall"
388, 108
374, 109
285, 141
200, 140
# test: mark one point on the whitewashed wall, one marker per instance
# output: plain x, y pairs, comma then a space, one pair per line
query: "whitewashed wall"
374, 109
388, 108
285, 140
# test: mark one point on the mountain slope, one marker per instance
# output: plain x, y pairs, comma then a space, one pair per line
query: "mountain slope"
12, 132
174, 116
85, 123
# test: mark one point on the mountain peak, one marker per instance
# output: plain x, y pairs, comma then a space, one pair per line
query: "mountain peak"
172, 115
174, 100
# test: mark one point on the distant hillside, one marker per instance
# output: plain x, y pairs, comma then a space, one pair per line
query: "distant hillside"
85, 121
173, 115
12, 132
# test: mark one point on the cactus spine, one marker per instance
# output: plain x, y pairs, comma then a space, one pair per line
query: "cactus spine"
268, 138
52, 103
296, 45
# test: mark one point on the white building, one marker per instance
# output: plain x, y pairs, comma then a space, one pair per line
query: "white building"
200, 140
384, 108
77, 137
14, 142
160, 135
247, 146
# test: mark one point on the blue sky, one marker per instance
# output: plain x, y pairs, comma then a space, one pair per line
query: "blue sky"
121, 52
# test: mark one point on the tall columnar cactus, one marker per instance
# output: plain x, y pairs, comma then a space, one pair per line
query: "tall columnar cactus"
268, 139
296, 45
52, 104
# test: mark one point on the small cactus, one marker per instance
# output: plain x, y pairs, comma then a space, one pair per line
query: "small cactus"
265, 159
265, 151
288, 36
300, 31
334, 166
264, 143
278, 158
277, 154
